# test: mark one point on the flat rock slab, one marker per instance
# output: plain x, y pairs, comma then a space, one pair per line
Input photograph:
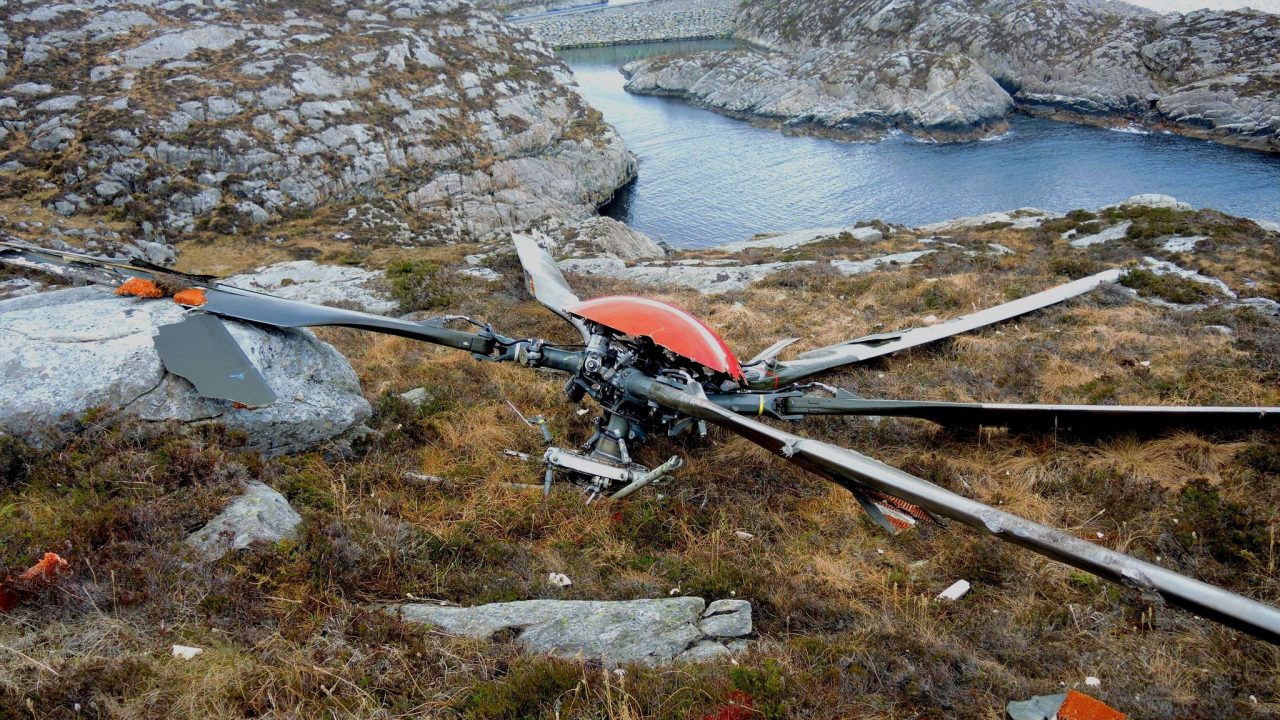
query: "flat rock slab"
65, 352
309, 281
649, 632
798, 238
259, 514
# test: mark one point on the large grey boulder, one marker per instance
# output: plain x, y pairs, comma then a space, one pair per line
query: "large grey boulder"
67, 351
649, 632
608, 237
259, 515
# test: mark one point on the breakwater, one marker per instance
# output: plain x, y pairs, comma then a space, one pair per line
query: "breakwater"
644, 22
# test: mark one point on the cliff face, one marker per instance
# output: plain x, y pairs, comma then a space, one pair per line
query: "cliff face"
1208, 74
221, 116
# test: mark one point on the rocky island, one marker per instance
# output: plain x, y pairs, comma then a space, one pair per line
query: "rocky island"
1207, 74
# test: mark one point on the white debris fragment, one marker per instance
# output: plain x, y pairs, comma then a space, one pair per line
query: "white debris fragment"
958, 589
186, 652
1092, 682
674, 591
743, 534
559, 579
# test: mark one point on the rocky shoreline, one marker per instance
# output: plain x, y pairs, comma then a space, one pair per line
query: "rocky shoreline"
1206, 74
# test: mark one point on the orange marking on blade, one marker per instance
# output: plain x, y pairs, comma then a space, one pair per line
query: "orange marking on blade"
140, 287
191, 297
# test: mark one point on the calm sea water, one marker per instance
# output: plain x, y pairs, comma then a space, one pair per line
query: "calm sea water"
706, 179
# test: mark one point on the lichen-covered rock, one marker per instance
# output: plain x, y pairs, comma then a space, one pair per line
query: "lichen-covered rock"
650, 632
839, 93
69, 351
259, 515
309, 281
223, 116
1211, 74
607, 237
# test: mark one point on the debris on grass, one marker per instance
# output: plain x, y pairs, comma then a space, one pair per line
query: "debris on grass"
1071, 705
186, 652
1079, 706
37, 577
957, 590
559, 580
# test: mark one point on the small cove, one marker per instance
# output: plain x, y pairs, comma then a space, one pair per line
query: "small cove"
707, 179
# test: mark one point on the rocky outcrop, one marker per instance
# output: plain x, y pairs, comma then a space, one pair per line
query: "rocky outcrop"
1209, 74
715, 277
223, 117
604, 236
259, 515
648, 632
837, 93
69, 351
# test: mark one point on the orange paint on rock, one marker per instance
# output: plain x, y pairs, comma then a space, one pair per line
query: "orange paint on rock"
1079, 706
191, 297
140, 287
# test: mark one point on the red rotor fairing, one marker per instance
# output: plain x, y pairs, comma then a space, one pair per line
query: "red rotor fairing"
666, 325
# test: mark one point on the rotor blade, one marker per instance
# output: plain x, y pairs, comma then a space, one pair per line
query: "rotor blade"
545, 281
237, 303
771, 352
200, 349
266, 309
872, 346
858, 472
1076, 418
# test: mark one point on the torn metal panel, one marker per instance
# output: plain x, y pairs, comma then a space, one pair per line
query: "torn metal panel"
200, 349
873, 346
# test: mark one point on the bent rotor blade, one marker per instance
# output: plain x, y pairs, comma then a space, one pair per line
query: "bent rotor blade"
1078, 418
858, 472
873, 346
200, 349
545, 281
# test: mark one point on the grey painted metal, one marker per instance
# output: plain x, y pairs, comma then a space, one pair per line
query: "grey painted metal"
873, 346
200, 349
545, 281
854, 470
279, 312
1077, 418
